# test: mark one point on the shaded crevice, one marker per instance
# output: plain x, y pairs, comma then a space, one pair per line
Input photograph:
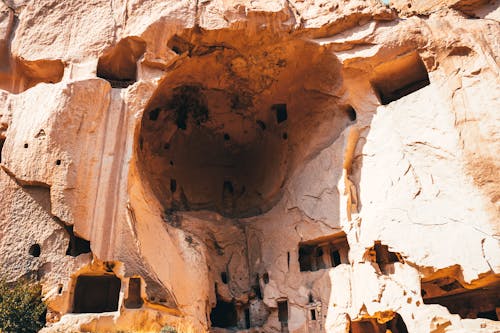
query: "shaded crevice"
351, 113
76, 244
384, 258
281, 113
2, 142
180, 45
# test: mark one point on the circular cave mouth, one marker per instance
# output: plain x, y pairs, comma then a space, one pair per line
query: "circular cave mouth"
224, 131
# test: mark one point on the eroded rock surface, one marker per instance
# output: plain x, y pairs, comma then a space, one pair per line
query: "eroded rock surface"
293, 166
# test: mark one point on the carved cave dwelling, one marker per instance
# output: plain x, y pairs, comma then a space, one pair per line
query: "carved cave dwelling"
265, 166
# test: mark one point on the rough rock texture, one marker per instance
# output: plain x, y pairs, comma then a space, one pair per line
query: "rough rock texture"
293, 166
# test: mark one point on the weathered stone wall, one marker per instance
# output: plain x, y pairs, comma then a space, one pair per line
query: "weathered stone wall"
300, 166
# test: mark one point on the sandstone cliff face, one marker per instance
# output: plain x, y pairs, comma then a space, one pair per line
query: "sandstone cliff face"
294, 166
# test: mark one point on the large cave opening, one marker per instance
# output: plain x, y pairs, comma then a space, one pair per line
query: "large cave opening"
96, 294
230, 123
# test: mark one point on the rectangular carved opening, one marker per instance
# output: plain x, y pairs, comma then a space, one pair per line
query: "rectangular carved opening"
134, 299
281, 113
400, 77
247, 318
96, 294
324, 252
283, 310
313, 314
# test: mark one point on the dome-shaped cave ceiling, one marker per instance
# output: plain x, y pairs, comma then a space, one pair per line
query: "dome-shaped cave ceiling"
228, 126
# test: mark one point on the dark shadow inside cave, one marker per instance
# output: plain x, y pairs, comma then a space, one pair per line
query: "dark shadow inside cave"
224, 314
96, 294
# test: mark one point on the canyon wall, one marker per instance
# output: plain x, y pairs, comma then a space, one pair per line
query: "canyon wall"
261, 166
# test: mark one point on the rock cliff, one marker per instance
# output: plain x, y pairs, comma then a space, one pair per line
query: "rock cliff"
260, 166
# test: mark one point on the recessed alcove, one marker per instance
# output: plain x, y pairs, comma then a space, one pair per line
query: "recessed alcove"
96, 294
118, 65
399, 77
35, 250
220, 134
325, 252
134, 299
283, 312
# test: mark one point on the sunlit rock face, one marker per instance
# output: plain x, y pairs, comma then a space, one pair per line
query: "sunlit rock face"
260, 166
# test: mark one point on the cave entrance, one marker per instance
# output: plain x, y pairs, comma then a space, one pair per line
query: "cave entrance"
96, 294
224, 315
223, 131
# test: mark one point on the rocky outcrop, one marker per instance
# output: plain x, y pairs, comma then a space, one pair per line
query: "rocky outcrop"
300, 166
